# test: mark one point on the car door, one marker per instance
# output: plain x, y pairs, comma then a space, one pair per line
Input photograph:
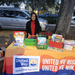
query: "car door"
20, 20
7, 19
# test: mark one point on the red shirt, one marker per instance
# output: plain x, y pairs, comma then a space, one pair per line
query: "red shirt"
33, 27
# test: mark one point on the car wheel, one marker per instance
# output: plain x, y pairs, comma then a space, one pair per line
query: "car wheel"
0, 28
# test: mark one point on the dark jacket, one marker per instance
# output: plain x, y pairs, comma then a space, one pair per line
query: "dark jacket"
37, 28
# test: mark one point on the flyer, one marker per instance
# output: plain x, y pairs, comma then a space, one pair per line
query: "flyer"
19, 38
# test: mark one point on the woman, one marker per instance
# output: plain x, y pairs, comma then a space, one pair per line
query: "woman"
33, 26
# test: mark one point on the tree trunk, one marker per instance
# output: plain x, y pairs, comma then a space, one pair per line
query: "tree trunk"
38, 7
64, 18
33, 5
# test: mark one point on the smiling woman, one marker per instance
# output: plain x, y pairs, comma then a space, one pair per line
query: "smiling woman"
33, 26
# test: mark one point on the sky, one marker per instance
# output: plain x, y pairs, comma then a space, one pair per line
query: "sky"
58, 1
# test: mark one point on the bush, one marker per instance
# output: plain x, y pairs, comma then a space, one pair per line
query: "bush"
51, 20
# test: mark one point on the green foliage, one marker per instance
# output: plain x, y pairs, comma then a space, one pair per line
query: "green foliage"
50, 3
57, 7
42, 3
51, 20
37, 4
8, 2
33, 3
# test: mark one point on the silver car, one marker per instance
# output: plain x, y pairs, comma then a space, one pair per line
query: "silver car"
14, 18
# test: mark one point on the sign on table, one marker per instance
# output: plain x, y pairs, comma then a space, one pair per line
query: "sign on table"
24, 64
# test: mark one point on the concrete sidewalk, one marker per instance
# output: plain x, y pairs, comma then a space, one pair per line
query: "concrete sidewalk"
55, 25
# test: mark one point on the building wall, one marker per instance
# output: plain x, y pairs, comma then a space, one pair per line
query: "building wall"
30, 9
51, 10
40, 11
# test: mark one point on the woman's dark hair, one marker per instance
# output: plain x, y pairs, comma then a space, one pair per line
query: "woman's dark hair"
36, 20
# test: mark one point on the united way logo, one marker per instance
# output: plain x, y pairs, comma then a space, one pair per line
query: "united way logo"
24, 64
33, 62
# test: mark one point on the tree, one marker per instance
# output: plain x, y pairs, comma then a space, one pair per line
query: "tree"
50, 3
57, 7
33, 3
40, 3
36, 3
64, 18
16, 3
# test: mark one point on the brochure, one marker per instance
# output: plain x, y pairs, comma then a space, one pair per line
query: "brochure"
19, 38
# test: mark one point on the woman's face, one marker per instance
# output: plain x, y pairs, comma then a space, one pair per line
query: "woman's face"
33, 17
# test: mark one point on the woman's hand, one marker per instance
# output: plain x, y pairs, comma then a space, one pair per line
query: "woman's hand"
28, 34
37, 35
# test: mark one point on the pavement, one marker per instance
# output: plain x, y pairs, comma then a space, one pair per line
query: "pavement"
72, 25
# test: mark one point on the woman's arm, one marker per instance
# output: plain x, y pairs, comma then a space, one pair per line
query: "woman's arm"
27, 29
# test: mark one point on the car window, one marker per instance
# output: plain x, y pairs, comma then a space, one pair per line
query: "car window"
7, 13
20, 15
27, 13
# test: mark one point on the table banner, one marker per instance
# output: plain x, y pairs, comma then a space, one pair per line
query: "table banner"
41, 65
